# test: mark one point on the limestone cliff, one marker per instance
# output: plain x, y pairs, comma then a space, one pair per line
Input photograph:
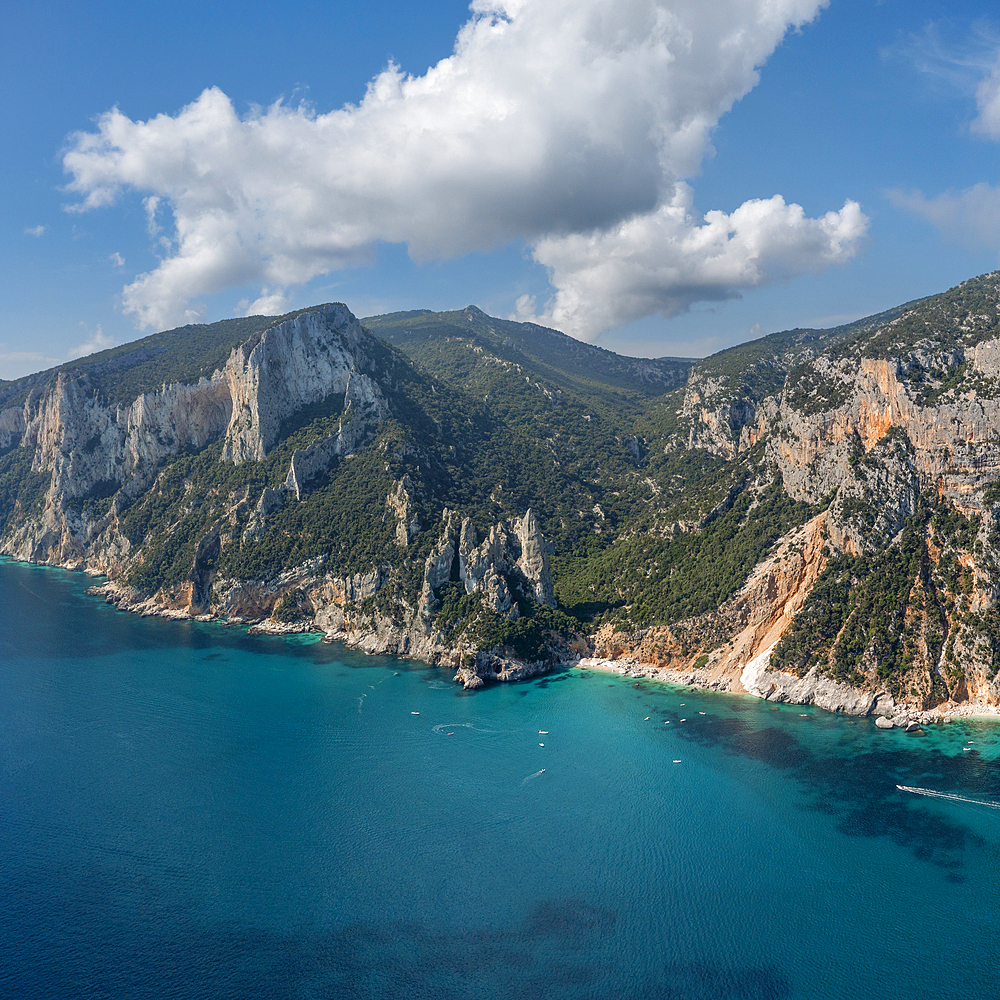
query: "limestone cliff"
814, 516
170, 492
894, 425
290, 366
83, 443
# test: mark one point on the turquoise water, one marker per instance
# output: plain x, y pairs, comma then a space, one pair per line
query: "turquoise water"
188, 811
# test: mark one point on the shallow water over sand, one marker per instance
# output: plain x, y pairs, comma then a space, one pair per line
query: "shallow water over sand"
190, 811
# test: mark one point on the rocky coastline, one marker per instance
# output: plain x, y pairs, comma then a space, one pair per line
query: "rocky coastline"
818, 692
477, 670
202, 497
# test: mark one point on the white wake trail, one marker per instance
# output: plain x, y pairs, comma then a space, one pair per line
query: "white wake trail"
930, 793
450, 726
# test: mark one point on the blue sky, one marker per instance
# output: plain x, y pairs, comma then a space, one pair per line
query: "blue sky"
618, 170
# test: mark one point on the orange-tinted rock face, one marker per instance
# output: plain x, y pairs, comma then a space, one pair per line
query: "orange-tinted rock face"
872, 439
753, 621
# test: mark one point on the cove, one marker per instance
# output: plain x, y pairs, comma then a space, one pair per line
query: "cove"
189, 811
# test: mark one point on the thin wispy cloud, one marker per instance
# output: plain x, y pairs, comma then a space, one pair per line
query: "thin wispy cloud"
970, 217
117, 259
35, 231
22, 356
987, 122
571, 125
97, 341
970, 66
14, 363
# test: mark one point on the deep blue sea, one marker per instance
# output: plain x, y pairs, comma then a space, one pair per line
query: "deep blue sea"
188, 811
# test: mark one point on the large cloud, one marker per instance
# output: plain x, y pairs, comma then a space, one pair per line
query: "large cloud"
665, 261
552, 119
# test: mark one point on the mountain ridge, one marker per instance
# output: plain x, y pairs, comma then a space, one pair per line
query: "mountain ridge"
496, 497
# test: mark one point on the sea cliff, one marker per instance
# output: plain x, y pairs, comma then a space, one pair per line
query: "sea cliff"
809, 518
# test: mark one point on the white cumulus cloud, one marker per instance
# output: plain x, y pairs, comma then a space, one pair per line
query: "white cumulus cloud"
270, 303
665, 261
569, 124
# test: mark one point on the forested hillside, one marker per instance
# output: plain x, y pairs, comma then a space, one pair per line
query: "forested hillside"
805, 516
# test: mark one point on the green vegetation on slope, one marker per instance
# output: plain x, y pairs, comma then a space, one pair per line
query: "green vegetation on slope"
465, 619
960, 317
890, 615
491, 417
438, 340
662, 579
22, 492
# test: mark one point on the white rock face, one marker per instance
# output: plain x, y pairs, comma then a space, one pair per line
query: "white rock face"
814, 449
812, 689
534, 560
518, 549
716, 418
437, 569
11, 425
85, 443
400, 502
299, 362
480, 565
485, 567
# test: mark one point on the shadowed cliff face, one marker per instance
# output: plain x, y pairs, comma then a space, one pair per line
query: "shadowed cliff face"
83, 442
293, 405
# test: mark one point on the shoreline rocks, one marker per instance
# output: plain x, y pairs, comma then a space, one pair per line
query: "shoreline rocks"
907, 718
